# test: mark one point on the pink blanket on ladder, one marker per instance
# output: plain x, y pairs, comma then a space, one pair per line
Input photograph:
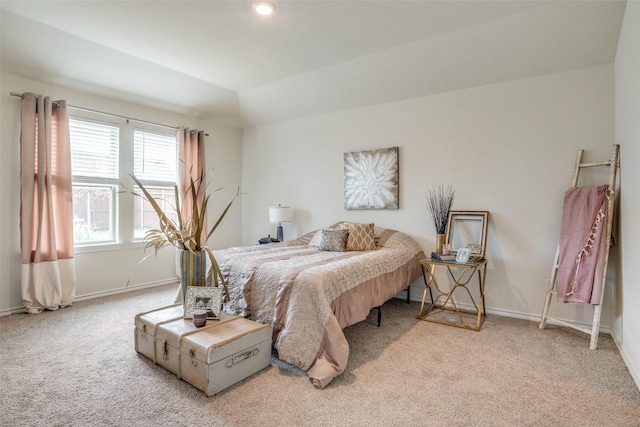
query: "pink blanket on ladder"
582, 244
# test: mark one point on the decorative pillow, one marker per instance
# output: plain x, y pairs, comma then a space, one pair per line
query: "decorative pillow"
361, 236
334, 240
316, 239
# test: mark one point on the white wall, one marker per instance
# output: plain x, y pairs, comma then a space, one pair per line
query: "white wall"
626, 330
508, 148
106, 272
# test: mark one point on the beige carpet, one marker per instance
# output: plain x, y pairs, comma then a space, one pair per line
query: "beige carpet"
78, 367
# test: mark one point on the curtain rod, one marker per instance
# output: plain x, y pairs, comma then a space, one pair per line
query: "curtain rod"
21, 95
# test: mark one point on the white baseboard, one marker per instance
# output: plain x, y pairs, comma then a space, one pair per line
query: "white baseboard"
509, 313
84, 297
632, 365
93, 295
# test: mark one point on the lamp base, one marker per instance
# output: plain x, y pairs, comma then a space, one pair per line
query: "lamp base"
279, 233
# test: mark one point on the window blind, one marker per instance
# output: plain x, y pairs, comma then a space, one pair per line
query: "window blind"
154, 157
94, 151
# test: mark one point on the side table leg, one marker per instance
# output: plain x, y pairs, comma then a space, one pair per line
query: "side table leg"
427, 284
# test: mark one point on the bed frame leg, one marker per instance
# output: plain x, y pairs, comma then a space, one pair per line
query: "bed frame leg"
408, 294
379, 308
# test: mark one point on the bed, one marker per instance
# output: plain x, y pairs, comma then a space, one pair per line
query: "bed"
309, 293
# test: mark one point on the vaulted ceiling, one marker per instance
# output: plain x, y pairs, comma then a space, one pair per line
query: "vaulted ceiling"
311, 57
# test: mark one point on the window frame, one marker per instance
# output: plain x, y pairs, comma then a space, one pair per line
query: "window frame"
122, 207
89, 181
151, 183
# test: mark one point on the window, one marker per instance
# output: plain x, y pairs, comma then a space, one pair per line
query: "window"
155, 165
94, 165
102, 156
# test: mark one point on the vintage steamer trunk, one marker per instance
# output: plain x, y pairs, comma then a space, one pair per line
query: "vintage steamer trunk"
170, 334
215, 358
211, 358
146, 324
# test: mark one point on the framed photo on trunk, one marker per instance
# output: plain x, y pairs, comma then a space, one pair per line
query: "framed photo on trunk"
203, 298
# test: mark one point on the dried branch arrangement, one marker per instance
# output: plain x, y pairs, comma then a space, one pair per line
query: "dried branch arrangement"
184, 234
439, 202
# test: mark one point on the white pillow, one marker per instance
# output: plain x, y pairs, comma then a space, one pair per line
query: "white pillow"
316, 239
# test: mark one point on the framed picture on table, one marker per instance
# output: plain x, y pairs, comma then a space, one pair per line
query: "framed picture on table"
203, 298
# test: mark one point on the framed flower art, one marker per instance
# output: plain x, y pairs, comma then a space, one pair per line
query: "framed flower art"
371, 179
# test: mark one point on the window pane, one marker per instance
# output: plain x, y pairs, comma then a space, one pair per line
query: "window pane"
95, 168
93, 213
145, 217
155, 164
154, 156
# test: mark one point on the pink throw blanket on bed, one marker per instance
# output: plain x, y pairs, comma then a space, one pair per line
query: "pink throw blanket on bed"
582, 244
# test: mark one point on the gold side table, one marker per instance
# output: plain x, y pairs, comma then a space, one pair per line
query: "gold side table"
444, 309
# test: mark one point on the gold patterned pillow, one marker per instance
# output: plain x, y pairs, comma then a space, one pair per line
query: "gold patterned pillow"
361, 236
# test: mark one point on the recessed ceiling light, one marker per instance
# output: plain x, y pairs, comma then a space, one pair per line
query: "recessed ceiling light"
264, 8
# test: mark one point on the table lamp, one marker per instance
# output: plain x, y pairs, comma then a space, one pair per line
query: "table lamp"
278, 215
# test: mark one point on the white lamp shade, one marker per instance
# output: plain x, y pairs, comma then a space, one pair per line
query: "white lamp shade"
278, 214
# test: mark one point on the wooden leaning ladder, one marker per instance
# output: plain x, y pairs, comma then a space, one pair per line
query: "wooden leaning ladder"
613, 164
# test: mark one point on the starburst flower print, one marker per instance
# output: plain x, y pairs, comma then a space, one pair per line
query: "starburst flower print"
371, 179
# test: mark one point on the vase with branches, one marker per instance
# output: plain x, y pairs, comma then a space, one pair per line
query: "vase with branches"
439, 202
186, 234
